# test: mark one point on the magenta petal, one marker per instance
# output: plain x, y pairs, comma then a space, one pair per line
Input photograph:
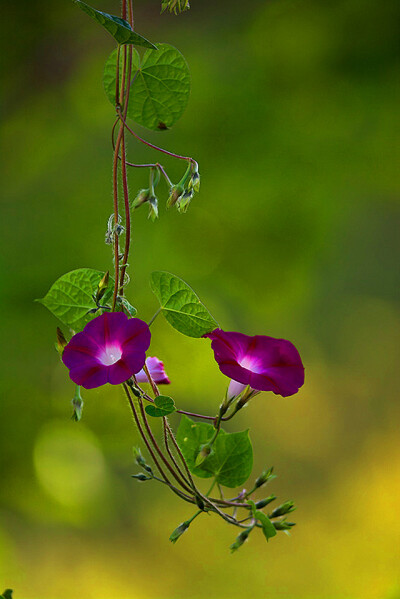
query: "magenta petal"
234, 371
228, 344
106, 327
119, 372
135, 334
157, 372
111, 348
283, 381
81, 349
89, 376
134, 360
264, 363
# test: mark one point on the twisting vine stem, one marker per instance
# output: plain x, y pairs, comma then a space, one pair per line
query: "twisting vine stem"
173, 461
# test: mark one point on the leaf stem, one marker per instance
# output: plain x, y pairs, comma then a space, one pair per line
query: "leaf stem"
147, 143
152, 319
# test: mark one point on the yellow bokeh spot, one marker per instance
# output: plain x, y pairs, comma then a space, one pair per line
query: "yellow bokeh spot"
69, 463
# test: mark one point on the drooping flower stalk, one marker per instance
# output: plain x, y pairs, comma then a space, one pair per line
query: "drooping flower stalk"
112, 346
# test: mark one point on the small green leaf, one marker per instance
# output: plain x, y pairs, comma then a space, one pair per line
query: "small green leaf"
267, 527
160, 86
231, 458
163, 405
70, 298
7, 594
127, 306
120, 29
181, 306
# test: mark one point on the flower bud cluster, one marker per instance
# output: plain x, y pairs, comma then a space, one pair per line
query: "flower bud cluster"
265, 477
175, 6
180, 194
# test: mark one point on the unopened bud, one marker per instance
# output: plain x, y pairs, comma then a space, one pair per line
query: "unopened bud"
283, 509
153, 208
141, 477
141, 198
240, 539
178, 532
184, 201
195, 182
77, 403
102, 286
140, 461
200, 503
263, 502
264, 477
175, 6
175, 193
283, 525
203, 454
61, 341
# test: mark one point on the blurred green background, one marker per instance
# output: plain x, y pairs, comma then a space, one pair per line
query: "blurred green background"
294, 119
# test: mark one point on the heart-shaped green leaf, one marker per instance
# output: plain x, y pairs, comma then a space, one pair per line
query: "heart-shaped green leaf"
231, 458
181, 306
70, 298
160, 86
120, 29
163, 405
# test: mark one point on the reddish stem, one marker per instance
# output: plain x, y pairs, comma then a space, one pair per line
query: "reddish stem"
147, 143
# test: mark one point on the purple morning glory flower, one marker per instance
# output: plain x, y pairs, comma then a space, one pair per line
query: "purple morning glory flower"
156, 369
110, 349
264, 363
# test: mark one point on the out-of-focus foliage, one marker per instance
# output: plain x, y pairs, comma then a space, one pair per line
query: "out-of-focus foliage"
293, 118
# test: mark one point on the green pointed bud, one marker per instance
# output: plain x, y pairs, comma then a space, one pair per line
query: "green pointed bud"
141, 477
240, 539
175, 193
199, 503
195, 182
264, 478
140, 461
77, 404
178, 532
283, 509
153, 208
142, 197
175, 6
184, 201
203, 454
61, 341
284, 525
263, 502
102, 286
